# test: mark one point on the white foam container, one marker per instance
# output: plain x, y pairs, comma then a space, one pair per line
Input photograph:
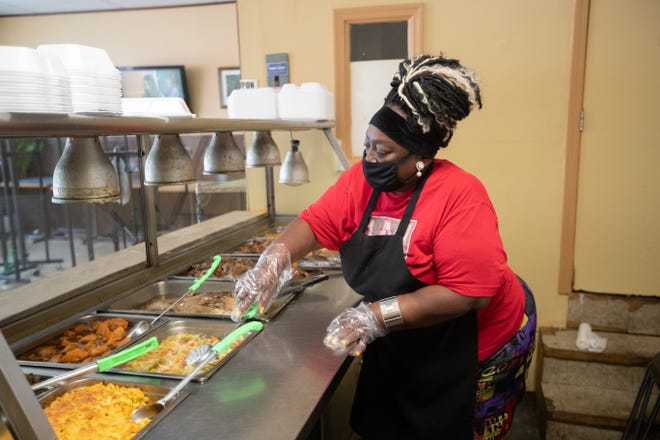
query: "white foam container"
159, 106
259, 103
310, 101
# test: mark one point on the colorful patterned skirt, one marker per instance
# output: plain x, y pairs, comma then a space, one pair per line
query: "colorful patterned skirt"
501, 378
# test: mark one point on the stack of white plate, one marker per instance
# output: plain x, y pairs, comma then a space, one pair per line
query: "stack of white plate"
94, 82
30, 83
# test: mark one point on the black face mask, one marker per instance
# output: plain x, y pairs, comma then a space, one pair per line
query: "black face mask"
383, 176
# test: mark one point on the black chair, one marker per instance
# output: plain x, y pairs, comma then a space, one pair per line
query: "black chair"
640, 424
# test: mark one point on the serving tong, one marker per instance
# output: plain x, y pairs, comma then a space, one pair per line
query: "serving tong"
100, 365
200, 357
141, 327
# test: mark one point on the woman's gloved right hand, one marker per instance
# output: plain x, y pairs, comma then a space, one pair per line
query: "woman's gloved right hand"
262, 283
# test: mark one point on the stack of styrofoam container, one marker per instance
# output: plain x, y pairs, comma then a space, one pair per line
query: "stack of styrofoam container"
32, 83
94, 81
257, 103
310, 101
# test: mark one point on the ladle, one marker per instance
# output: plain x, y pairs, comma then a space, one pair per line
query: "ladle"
141, 327
152, 409
102, 364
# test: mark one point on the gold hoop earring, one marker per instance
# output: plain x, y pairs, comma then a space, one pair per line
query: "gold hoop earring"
420, 166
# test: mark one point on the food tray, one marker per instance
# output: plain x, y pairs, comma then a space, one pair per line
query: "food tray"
205, 327
170, 290
29, 343
303, 276
321, 259
251, 248
153, 392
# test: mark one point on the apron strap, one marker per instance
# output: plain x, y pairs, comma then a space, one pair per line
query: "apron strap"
407, 215
367, 212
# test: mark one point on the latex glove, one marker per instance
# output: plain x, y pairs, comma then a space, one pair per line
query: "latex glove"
353, 329
261, 283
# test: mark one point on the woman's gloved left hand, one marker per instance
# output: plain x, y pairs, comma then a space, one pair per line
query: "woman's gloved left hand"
353, 329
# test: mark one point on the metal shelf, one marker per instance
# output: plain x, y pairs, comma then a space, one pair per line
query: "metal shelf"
15, 125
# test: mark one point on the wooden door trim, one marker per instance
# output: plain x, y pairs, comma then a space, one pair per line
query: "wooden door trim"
343, 19
572, 159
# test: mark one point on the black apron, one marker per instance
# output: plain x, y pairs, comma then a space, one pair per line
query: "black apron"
414, 384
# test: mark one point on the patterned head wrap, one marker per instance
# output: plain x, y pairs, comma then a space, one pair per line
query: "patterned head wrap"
434, 93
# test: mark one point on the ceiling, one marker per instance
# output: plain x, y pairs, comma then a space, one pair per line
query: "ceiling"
37, 7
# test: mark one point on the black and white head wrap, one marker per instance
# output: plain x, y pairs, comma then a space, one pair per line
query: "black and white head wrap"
434, 93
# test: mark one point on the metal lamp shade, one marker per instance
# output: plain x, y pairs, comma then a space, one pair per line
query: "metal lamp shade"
294, 170
263, 151
223, 156
168, 162
84, 174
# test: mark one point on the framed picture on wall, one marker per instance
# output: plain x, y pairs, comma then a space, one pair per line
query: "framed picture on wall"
230, 80
154, 81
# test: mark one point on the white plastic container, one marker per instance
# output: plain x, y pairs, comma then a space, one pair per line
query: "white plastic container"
259, 103
310, 101
173, 107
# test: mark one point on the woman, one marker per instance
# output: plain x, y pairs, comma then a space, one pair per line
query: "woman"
446, 328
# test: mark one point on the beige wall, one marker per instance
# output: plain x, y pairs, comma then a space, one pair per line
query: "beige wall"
202, 38
515, 144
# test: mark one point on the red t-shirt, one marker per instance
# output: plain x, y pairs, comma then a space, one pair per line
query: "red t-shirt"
452, 240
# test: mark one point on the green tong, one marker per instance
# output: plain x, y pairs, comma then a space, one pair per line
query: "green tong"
142, 326
201, 356
102, 364
224, 344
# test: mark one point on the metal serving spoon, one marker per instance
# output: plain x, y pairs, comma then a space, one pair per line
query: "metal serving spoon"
141, 327
150, 410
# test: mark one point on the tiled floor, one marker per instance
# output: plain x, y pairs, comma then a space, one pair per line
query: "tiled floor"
43, 259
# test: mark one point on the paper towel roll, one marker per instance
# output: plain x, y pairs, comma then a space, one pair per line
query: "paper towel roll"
583, 336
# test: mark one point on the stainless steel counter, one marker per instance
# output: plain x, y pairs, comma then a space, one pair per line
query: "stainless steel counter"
276, 387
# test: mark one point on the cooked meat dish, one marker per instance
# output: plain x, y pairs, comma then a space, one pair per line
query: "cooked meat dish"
230, 268
210, 303
82, 343
324, 253
254, 246
214, 303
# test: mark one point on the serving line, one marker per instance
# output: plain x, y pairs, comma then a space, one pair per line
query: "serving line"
279, 384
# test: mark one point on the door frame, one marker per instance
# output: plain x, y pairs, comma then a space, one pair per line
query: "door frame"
573, 138
343, 19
